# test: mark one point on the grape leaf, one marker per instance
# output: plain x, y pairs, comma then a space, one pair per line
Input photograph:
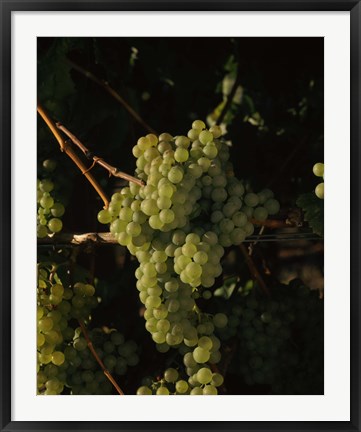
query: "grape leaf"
313, 211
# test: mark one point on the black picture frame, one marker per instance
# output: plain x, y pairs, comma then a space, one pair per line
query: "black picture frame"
9, 6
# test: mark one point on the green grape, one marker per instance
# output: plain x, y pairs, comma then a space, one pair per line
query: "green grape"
201, 355
207, 294
260, 213
318, 169
143, 391
216, 131
57, 210
251, 200
181, 155
171, 375
163, 391
196, 391
210, 150
46, 202
181, 386
204, 375
205, 137
193, 270
198, 124
58, 358
45, 324
189, 250
217, 380
272, 206
210, 390
46, 186
55, 225
42, 231
219, 194
49, 165
175, 175
220, 320
193, 134
319, 191
205, 342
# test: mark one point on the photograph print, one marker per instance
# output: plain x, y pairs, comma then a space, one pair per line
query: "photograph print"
180, 188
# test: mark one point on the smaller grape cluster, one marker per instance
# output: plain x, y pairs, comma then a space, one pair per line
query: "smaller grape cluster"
84, 376
280, 339
50, 209
57, 306
319, 171
205, 383
65, 363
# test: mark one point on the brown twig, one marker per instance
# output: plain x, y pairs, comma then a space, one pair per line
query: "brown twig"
97, 160
254, 271
73, 156
105, 85
79, 239
97, 358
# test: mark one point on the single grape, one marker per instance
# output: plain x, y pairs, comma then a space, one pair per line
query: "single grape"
181, 386
318, 169
171, 375
319, 191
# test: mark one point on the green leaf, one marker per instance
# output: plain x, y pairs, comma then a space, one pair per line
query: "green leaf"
313, 211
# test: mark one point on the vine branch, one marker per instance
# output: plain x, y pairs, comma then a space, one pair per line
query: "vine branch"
107, 238
254, 271
97, 160
80, 239
73, 156
97, 358
105, 85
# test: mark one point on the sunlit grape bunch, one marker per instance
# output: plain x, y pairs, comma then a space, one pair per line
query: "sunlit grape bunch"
49, 208
318, 171
177, 225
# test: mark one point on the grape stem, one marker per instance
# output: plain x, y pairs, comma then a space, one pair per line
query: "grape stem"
97, 160
105, 85
97, 358
254, 271
73, 156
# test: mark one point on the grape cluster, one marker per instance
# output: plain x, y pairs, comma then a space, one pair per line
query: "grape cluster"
177, 225
280, 339
84, 376
318, 170
50, 209
64, 361
56, 307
